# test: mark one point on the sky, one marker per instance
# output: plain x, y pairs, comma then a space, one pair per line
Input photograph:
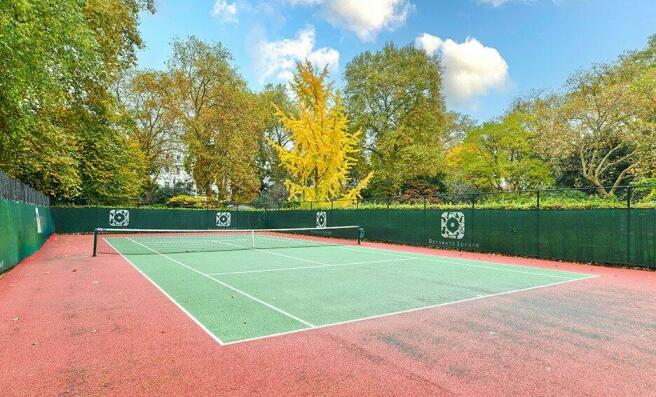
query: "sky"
492, 51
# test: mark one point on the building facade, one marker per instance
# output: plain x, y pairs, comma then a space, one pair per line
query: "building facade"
175, 174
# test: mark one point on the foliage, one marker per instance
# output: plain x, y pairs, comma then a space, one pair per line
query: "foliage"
219, 118
186, 201
152, 127
162, 194
322, 150
58, 60
606, 120
271, 172
393, 96
525, 201
75, 124
271, 196
499, 156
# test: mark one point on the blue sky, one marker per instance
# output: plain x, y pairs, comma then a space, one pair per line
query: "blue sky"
493, 51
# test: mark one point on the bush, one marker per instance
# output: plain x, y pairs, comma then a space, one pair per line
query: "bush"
186, 201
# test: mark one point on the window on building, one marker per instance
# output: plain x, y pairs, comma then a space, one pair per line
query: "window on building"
167, 184
166, 169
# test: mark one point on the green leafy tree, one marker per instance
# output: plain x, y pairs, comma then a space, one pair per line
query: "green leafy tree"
499, 156
601, 132
393, 96
218, 115
272, 173
144, 94
59, 125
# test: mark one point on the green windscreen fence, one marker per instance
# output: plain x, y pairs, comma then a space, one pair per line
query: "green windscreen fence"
615, 236
25, 222
86, 219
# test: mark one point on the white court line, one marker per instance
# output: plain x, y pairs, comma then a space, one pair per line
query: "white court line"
438, 259
300, 320
410, 310
312, 267
313, 327
191, 316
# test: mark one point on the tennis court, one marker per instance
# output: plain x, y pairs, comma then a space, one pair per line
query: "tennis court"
245, 285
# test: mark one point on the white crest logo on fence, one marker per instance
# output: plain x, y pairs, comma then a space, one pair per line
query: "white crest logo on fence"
322, 219
453, 225
119, 218
223, 219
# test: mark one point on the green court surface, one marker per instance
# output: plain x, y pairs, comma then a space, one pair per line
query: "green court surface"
247, 294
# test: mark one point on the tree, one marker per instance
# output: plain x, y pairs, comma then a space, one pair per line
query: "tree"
642, 64
221, 127
603, 123
498, 156
394, 97
145, 94
601, 131
272, 173
57, 119
322, 150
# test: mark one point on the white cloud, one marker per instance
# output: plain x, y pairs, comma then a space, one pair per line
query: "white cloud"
499, 3
225, 11
278, 58
470, 68
494, 3
366, 18
428, 43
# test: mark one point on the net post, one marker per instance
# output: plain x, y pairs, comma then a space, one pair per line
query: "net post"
253, 238
95, 241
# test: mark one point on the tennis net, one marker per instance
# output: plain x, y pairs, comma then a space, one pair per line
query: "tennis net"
149, 242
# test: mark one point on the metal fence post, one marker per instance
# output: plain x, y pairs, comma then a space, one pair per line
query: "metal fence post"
537, 228
628, 224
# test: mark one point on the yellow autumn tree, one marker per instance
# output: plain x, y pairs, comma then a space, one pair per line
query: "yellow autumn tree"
321, 151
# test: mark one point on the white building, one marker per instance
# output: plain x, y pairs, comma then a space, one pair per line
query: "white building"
169, 176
